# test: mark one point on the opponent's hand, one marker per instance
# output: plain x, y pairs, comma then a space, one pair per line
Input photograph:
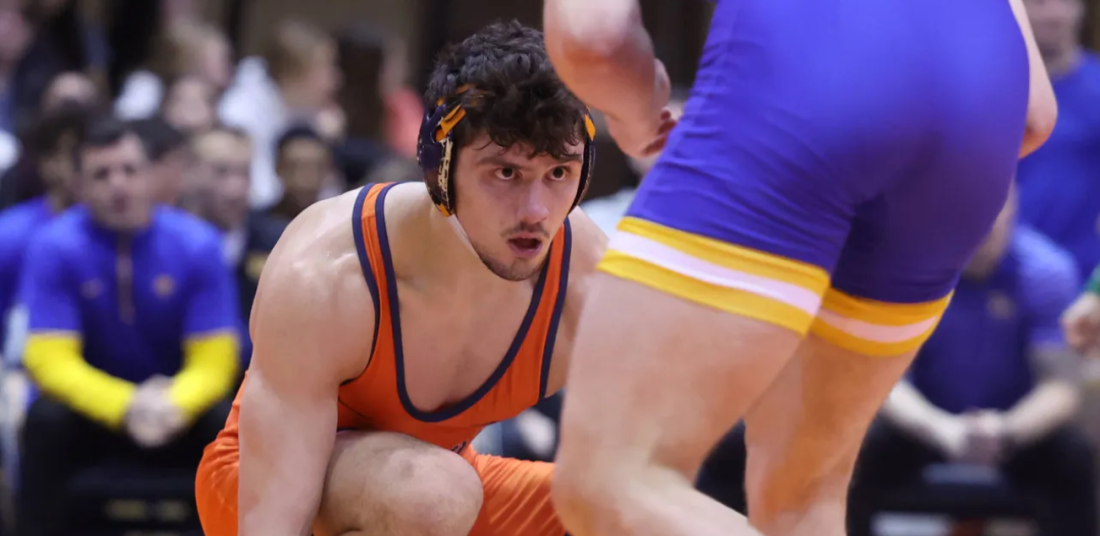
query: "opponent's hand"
641, 137
1081, 322
152, 419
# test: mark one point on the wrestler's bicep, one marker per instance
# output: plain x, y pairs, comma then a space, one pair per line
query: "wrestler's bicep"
303, 350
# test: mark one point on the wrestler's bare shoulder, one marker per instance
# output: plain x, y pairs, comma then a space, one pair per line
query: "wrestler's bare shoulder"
313, 283
319, 245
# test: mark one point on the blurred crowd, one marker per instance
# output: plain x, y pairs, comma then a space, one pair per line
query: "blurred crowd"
145, 179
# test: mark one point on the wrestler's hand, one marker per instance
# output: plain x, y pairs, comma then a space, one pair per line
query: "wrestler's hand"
152, 419
1081, 322
644, 136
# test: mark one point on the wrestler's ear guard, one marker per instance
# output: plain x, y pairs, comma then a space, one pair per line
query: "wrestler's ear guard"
435, 151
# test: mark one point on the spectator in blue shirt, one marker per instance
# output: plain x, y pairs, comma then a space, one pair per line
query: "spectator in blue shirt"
132, 318
995, 385
52, 143
169, 156
1059, 185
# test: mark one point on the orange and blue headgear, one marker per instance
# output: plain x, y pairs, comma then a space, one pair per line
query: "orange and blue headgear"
435, 151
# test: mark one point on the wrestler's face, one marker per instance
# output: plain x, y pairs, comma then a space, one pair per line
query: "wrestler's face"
511, 204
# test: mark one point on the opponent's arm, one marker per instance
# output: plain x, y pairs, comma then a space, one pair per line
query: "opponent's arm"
1042, 107
308, 337
602, 52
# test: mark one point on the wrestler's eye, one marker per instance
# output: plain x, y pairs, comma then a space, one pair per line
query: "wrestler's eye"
506, 173
559, 173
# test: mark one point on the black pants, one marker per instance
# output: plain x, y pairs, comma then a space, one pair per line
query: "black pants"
722, 476
58, 443
1057, 473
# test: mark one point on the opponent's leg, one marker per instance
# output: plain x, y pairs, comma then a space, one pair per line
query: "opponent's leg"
715, 276
383, 483
906, 250
804, 435
734, 255
636, 426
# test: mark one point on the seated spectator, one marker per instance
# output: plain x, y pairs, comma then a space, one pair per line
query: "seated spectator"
15, 35
20, 182
186, 49
383, 112
133, 331
223, 157
393, 170
995, 385
304, 165
189, 105
300, 81
1059, 190
53, 142
1081, 322
64, 40
169, 157
69, 87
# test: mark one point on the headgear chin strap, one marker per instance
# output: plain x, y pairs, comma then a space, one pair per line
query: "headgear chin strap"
435, 152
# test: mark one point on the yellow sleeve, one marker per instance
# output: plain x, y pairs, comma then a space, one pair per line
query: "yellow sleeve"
209, 370
56, 364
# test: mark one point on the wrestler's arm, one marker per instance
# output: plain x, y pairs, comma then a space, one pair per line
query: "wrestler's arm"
602, 52
1042, 107
589, 243
308, 335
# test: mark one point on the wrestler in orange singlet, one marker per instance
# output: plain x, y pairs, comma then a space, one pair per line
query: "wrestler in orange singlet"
383, 345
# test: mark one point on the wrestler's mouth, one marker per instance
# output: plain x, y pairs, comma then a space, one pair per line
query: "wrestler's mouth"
525, 247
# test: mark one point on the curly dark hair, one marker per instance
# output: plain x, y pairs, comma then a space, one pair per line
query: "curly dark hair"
515, 96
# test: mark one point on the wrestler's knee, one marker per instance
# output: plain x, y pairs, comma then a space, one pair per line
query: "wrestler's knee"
383, 483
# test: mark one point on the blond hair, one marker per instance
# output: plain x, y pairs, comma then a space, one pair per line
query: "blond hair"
176, 53
292, 47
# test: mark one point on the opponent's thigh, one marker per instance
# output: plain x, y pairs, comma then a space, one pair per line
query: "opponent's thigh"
649, 394
386, 484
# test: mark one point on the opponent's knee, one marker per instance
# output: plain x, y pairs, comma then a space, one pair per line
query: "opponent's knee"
409, 488
581, 500
778, 491
592, 498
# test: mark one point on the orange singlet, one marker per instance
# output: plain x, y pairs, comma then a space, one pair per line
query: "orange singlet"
516, 493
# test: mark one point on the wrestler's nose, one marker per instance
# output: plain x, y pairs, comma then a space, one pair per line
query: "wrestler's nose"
534, 207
